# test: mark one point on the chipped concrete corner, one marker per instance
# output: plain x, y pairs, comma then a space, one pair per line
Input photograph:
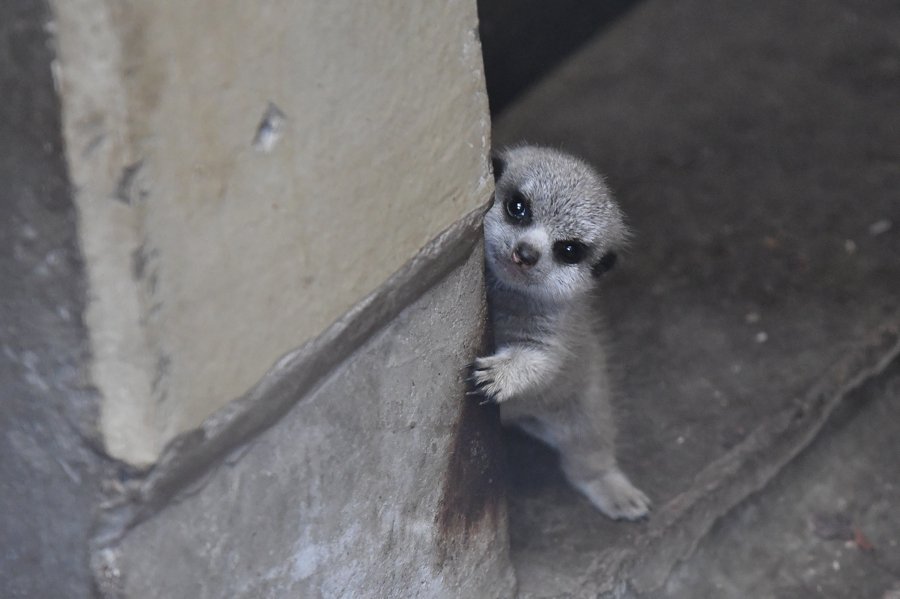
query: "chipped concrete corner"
374, 477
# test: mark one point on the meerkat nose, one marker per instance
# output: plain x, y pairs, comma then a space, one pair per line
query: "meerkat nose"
525, 255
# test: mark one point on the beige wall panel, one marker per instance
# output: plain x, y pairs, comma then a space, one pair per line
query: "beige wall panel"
212, 250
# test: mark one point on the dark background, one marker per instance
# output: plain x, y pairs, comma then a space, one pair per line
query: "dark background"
755, 150
522, 40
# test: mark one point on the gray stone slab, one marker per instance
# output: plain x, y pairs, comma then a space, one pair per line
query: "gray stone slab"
383, 480
825, 527
756, 150
48, 470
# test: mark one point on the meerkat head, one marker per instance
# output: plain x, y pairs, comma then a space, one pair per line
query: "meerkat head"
554, 226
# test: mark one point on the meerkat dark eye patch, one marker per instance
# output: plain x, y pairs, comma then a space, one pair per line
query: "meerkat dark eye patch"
569, 251
604, 264
518, 208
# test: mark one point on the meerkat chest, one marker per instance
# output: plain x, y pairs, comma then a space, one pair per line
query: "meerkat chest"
565, 333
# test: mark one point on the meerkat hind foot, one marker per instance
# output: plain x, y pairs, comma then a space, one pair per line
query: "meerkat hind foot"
614, 495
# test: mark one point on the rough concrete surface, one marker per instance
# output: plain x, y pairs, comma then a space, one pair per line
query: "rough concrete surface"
48, 474
825, 527
239, 171
756, 150
384, 481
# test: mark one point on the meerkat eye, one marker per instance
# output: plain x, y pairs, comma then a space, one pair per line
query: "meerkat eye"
569, 251
517, 208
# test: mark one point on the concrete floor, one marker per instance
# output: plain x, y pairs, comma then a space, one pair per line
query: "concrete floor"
826, 526
755, 148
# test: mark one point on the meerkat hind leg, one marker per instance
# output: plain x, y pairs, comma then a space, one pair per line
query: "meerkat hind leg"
597, 477
589, 465
586, 435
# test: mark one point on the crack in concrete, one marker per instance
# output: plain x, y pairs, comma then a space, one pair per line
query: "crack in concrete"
680, 525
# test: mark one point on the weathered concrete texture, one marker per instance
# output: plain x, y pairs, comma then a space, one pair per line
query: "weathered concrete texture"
827, 526
47, 473
384, 481
756, 149
239, 170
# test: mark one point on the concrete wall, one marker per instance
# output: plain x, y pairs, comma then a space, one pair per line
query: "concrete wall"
279, 211
246, 172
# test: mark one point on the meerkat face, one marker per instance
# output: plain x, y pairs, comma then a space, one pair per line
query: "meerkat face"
553, 226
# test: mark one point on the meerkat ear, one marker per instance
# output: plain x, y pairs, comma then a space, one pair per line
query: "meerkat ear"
605, 263
498, 164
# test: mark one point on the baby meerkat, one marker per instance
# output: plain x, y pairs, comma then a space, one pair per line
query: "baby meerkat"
552, 231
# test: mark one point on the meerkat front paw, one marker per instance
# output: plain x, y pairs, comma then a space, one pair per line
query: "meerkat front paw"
614, 495
493, 377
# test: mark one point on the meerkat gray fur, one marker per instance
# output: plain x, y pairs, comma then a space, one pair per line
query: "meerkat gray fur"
552, 231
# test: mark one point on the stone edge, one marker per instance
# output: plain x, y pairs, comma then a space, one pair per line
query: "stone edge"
189, 457
680, 525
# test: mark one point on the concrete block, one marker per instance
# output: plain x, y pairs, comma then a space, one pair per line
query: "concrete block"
239, 169
383, 481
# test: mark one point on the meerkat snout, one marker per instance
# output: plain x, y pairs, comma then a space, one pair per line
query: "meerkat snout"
526, 255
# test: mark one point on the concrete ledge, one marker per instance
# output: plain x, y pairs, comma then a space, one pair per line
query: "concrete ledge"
355, 466
679, 525
294, 376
